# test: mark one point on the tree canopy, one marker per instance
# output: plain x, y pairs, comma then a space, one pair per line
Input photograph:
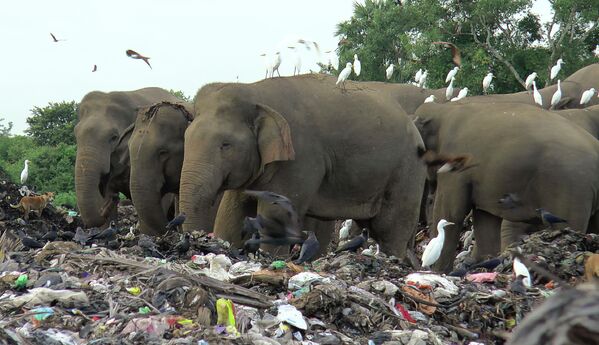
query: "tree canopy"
53, 124
503, 37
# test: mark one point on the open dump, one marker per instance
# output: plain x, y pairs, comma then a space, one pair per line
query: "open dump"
137, 290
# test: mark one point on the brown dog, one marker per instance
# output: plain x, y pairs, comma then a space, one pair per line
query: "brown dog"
591, 268
34, 203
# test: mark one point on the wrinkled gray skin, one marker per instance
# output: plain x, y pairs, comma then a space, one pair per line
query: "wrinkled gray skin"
102, 162
156, 156
572, 89
334, 154
587, 118
410, 97
546, 160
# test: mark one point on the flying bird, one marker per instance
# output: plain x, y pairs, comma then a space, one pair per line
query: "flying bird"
531, 77
447, 163
310, 248
251, 225
487, 82
95, 68
344, 231
549, 219
55, 39
449, 90
587, 96
355, 243
520, 270
433, 249
461, 95
25, 172
344, 75
555, 69
536, 95
357, 65
455, 52
183, 245
557, 96
389, 71
135, 55
452, 74
175, 222
430, 99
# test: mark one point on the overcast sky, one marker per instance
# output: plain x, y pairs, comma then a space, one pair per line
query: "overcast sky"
190, 43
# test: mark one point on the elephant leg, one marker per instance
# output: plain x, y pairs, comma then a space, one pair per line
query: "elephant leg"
513, 231
453, 203
593, 227
233, 208
394, 226
487, 230
324, 231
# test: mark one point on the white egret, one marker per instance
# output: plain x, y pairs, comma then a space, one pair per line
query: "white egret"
557, 96
464, 253
418, 75
389, 71
357, 65
25, 172
372, 251
432, 252
298, 60
596, 51
461, 95
537, 95
555, 69
520, 270
344, 231
531, 77
449, 90
452, 74
487, 82
344, 74
276, 62
587, 95
422, 81
430, 99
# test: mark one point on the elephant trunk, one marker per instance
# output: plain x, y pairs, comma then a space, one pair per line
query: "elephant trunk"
147, 198
88, 171
200, 184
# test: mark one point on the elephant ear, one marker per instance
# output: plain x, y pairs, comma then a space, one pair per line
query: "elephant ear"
122, 149
274, 136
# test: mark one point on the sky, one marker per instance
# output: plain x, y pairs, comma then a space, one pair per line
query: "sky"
190, 43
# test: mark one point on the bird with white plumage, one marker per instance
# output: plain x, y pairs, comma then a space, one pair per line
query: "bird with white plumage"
536, 95
422, 81
555, 69
418, 75
344, 74
452, 74
297, 65
487, 82
430, 99
449, 90
433, 249
587, 96
371, 251
531, 77
557, 96
357, 65
344, 231
389, 71
461, 95
520, 270
25, 172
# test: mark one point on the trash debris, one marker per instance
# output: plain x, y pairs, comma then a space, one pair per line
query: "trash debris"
80, 291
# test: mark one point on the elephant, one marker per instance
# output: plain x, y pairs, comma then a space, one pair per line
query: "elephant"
156, 156
572, 89
543, 158
587, 118
335, 154
105, 122
410, 97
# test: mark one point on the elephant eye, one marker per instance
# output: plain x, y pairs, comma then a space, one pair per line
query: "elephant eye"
114, 138
225, 146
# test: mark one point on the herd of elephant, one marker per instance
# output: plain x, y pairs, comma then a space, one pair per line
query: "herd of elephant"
341, 155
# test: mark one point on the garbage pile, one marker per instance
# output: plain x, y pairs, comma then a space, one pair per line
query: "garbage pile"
87, 288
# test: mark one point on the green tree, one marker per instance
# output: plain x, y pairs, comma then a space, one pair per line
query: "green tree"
180, 94
5, 129
53, 124
503, 37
